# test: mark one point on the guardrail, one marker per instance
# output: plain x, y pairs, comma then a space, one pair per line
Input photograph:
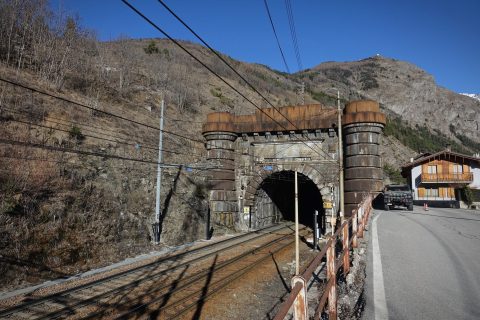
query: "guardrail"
298, 294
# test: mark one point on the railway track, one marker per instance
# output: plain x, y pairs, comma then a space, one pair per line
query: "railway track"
167, 288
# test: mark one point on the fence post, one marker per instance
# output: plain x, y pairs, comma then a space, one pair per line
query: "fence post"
360, 218
300, 306
315, 230
365, 216
346, 249
332, 294
370, 206
367, 209
354, 228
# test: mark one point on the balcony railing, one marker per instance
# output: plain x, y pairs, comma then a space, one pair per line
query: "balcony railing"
466, 177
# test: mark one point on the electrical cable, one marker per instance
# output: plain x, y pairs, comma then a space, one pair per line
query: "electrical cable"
67, 123
213, 72
227, 64
88, 153
99, 111
182, 120
121, 141
276, 37
293, 32
90, 136
100, 138
83, 166
111, 114
63, 161
146, 125
218, 76
236, 72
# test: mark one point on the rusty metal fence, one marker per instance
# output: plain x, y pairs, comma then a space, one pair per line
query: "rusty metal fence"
335, 260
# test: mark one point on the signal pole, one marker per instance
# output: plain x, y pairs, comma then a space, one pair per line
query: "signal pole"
340, 159
297, 248
156, 228
302, 93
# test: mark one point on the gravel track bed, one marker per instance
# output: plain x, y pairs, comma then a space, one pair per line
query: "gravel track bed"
139, 290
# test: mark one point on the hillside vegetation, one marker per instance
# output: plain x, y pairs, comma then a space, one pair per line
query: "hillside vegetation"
89, 199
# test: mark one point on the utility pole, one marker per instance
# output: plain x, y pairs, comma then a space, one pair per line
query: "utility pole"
302, 93
297, 253
156, 229
340, 158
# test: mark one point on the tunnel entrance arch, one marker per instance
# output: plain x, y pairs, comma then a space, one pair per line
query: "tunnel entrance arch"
275, 200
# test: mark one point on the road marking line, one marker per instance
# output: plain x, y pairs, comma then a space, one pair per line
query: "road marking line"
379, 300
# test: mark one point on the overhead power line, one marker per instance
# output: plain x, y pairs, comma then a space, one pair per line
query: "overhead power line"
69, 123
87, 153
82, 166
98, 110
218, 76
231, 68
218, 56
100, 138
182, 120
121, 139
276, 37
62, 161
293, 32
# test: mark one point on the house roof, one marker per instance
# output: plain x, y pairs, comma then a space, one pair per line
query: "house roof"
427, 156
422, 155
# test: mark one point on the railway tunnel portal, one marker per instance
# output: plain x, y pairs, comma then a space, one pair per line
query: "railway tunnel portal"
255, 156
274, 200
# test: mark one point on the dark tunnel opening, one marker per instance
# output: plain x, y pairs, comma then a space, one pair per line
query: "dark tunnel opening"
279, 191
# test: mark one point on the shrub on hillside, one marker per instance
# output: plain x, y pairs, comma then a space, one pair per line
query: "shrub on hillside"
466, 141
76, 133
151, 48
420, 138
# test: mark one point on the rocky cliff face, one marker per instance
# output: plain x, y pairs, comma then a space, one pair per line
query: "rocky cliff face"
403, 89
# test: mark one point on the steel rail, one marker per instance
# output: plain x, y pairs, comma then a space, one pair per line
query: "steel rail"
38, 301
237, 275
133, 271
223, 282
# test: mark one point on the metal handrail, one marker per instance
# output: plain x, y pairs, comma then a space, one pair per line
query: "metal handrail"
357, 221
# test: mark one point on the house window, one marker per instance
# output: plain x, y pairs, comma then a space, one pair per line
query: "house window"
431, 192
432, 169
457, 168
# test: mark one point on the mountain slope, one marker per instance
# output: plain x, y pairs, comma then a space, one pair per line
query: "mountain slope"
100, 210
403, 90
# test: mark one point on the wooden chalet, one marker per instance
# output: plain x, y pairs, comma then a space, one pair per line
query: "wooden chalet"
437, 179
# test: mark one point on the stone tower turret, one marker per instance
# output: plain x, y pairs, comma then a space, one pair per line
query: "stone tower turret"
363, 125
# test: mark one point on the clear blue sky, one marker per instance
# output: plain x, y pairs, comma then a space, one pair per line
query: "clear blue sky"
440, 36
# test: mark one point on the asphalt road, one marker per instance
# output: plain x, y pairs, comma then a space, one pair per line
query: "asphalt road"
423, 265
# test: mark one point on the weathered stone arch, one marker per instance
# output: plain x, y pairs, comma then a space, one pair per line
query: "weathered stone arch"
253, 186
255, 181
